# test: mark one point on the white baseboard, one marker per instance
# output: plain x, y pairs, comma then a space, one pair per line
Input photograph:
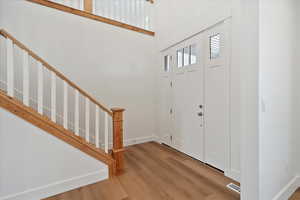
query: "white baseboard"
157, 139
133, 141
164, 139
140, 140
233, 174
289, 189
59, 187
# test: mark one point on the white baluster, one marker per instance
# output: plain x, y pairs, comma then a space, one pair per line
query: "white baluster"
25, 78
147, 15
150, 18
129, 11
122, 9
112, 13
78, 6
97, 126
81, 4
74, 4
67, 3
10, 67
126, 11
99, 9
77, 112
108, 10
106, 132
143, 13
53, 96
139, 13
94, 11
116, 14
107, 2
105, 8
65, 105
119, 11
136, 13
40, 87
87, 120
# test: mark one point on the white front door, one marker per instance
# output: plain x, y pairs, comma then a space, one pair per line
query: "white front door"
216, 96
188, 93
196, 112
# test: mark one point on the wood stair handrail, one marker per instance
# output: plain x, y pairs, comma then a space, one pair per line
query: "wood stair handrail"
88, 14
33, 117
48, 66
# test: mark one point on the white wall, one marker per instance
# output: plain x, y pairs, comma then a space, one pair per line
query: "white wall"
113, 64
35, 164
278, 89
296, 138
247, 60
178, 20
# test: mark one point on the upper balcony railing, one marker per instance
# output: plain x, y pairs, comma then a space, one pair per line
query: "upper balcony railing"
135, 15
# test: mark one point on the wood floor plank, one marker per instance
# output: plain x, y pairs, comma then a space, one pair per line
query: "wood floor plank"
163, 169
150, 178
296, 195
158, 172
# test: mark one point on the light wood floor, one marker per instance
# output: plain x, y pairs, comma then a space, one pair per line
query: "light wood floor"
157, 172
296, 195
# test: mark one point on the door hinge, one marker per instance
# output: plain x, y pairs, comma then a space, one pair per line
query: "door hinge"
171, 84
171, 111
171, 137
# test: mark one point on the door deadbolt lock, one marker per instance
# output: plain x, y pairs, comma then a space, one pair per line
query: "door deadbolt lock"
200, 106
200, 114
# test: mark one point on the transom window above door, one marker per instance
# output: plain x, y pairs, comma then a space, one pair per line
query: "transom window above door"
187, 56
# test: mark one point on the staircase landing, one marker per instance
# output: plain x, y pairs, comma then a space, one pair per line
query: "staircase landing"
157, 172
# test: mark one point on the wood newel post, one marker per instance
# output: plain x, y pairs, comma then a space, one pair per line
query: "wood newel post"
118, 150
88, 6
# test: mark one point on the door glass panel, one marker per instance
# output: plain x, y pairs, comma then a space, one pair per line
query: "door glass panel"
186, 56
179, 58
215, 46
167, 63
193, 56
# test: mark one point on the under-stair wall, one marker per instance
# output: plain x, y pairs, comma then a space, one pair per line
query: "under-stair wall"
35, 165
114, 65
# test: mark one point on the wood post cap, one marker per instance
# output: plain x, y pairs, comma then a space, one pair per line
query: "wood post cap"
117, 109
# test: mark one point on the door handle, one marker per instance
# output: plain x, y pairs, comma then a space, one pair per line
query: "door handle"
200, 114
